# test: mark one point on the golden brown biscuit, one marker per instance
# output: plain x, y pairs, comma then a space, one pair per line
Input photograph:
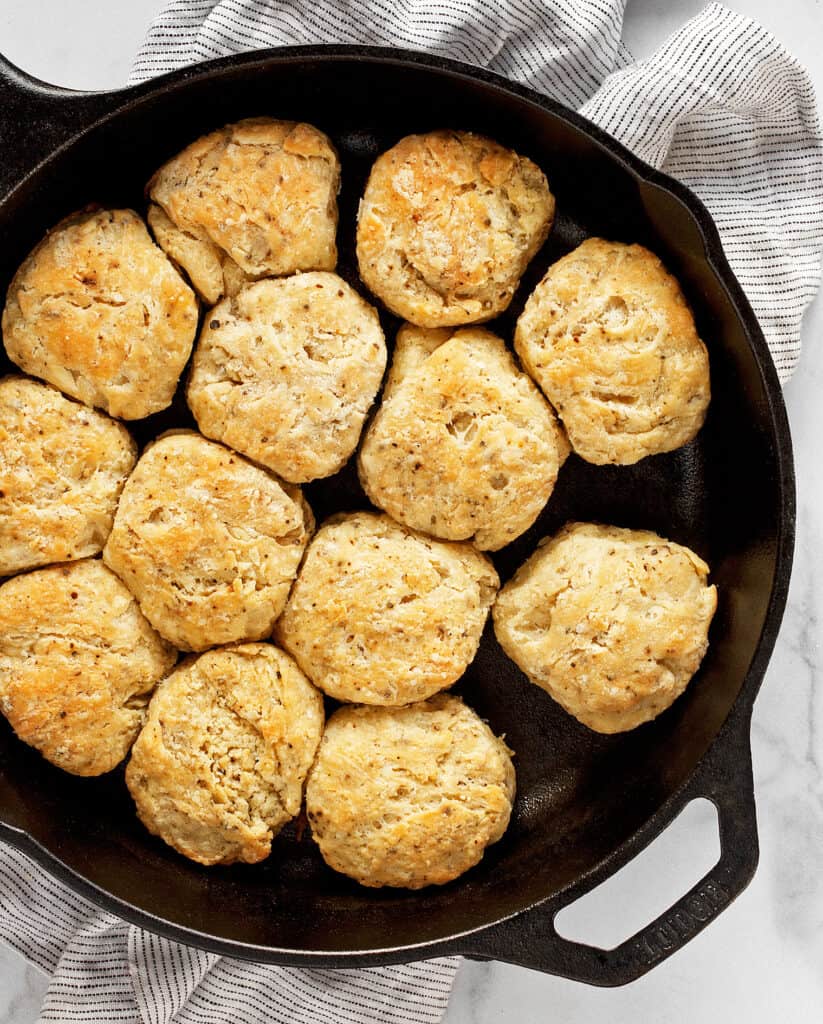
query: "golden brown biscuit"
207, 542
611, 623
218, 768
609, 337
409, 796
447, 225
286, 371
77, 664
98, 310
463, 446
255, 199
62, 467
380, 614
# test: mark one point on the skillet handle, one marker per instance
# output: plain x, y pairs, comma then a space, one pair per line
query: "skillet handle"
36, 118
531, 940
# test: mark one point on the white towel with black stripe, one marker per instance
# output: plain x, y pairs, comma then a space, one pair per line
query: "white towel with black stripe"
722, 106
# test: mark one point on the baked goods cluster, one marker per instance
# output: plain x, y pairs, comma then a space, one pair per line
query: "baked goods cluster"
185, 607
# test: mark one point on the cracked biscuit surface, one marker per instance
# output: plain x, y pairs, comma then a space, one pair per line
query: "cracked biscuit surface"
62, 468
255, 199
218, 768
98, 310
409, 796
448, 224
380, 614
612, 623
463, 446
77, 664
285, 372
610, 338
207, 542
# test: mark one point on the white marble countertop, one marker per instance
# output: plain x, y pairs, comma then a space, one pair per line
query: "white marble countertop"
762, 960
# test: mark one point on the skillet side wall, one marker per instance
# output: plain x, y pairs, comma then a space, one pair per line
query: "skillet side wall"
581, 796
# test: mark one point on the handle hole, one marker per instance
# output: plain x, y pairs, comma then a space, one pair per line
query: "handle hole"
649, 884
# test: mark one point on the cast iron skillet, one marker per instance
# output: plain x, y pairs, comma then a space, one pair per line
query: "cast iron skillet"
586, 803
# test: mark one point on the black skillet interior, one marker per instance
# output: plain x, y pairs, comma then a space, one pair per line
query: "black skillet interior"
581, 797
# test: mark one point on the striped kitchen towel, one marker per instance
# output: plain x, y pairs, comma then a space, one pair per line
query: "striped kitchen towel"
722, 106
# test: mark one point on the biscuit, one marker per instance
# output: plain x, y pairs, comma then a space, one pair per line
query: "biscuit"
98, 310
219, 766
77, 664
382, 615
207, 542
62, 467
611, 623
447, 225
255, 199
609, 337
464, 446
286, 371
409, 796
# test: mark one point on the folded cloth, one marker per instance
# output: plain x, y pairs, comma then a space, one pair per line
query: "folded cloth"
722, 106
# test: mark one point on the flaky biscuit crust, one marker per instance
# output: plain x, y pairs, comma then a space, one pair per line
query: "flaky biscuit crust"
62, 468
612, 623
610, 338
218, 768
409, 796
447, 225
98, 311
78, 661
286, 371
380, 614
207, 542
255, 199
463, 446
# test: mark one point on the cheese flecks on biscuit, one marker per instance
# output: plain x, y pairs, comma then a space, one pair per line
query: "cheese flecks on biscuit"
78, 661
448, 224
218, 768
463, 446
99, 311
610, 339
409, 796
612, 623
207, 542
254, 199
286, 371
380, 614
